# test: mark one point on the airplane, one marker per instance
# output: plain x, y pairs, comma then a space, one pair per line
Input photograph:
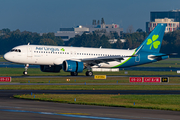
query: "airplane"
76, 59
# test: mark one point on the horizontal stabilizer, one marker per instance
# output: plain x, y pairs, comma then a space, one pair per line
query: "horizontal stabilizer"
159, 56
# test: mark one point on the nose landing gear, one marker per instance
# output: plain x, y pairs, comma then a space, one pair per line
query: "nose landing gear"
26, 67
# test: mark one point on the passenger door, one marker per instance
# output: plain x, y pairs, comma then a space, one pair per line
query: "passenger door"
29, 51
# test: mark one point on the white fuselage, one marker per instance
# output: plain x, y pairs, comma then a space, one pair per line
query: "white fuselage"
55, 55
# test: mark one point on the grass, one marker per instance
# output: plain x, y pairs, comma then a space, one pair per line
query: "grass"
162, 102
171, 62
72, 80
90, 87
2, 59
81, 80
37, 72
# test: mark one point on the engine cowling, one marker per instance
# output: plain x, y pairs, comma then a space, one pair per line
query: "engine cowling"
72, 66
52, 68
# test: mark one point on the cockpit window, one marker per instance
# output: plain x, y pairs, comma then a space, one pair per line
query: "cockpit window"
15, 50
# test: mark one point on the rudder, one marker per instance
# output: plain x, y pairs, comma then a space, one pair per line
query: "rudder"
154, 40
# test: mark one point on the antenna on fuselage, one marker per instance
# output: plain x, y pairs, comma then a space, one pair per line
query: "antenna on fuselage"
100, 47
28, 43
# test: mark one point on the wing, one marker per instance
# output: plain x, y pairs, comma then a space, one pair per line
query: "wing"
106, 59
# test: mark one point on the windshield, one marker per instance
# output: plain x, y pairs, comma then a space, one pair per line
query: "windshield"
15, 50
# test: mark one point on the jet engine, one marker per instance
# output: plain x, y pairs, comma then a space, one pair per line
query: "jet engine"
72, 66
52, 68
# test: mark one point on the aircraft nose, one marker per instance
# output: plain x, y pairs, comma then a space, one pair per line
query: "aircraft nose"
7, 57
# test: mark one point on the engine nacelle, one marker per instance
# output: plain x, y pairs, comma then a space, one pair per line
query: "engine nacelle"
52, 68
72, 66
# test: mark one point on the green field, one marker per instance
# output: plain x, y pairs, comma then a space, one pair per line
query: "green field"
90, 87
81, 80
37, 72
162, 102
2, 59
171, 62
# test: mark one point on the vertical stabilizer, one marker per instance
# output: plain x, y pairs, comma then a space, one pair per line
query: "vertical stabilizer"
153, 42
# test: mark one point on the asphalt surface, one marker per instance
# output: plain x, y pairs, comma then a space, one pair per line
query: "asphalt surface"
89, 83
19, 109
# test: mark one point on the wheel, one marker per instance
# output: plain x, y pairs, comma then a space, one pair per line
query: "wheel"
74, 73
25, 73
89, 73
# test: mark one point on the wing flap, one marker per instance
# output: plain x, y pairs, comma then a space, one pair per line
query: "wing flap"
106, 59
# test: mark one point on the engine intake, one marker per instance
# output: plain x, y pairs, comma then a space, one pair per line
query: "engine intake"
52, 68
72, 66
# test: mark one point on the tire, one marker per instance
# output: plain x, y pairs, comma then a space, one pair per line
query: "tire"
89, 73
25, 73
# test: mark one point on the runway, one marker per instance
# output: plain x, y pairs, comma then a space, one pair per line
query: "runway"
10, 93
11, 108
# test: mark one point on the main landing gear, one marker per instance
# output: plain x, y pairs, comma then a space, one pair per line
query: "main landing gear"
74, 73
89, 73
26, 67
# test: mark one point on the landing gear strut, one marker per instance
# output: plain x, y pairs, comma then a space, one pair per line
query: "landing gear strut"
89, 72
26, 67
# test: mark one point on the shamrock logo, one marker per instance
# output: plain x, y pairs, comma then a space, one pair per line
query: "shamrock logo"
62, 49
153, 42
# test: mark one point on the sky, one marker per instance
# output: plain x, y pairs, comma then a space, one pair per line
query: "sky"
44, 16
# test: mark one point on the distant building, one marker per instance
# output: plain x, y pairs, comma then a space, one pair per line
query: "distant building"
67, 33
171, 25
2, 34
173, 14
112, 41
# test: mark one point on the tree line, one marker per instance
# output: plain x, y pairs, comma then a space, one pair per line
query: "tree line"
10, 39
